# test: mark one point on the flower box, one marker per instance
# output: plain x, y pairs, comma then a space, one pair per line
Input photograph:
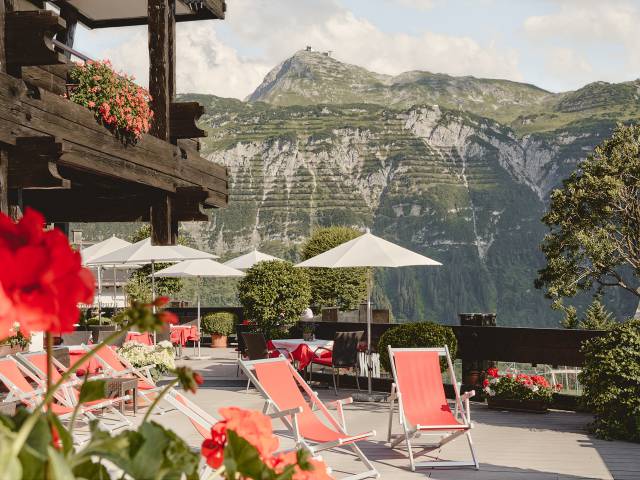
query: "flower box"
528, 406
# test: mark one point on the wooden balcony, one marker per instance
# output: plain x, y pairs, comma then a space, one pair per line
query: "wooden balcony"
57, 158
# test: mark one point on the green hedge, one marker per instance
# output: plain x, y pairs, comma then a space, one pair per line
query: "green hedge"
219, 323
98, 321
414, 335
611, 381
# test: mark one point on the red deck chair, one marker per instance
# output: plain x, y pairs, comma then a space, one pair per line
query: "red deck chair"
280, 384
422, 405
117, 366
68, 395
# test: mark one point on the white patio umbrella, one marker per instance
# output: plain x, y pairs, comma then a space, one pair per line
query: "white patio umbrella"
97, 250
199, 269
144, 252
248, 260
368, 250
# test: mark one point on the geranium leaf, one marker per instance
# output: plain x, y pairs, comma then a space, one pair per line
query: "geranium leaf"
240, 457
59, 469
91, 471
92, 390
65, 436
9, 463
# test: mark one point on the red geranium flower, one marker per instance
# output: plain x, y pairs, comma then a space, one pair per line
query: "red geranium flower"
318, 469
253, 426
41, 280
493, 372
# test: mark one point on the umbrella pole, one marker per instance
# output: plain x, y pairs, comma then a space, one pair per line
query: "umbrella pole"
153, 292
369, 356
100, 294
199, 334
114, 290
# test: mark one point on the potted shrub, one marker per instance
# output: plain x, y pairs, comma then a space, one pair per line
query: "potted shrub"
14, 344
518, 392
308, 331
219, 325
416, 335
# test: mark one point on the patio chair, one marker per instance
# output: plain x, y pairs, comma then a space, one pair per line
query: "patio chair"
280, 384
104, 334
118, 366
256, 348
69, 395
422, 405
343, 355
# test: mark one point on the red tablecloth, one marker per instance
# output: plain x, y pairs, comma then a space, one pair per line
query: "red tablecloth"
303, 354
144, 338
180, 335
91, 366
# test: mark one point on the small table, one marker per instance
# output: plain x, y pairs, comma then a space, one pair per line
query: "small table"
302, 350
9, 408
119, 386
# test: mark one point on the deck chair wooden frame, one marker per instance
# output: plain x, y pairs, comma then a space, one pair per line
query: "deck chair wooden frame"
445, 432
68, 394
291, 416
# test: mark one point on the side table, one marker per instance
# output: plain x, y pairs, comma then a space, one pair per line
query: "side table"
119, 386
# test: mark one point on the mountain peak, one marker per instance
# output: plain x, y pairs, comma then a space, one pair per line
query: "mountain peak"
313, 77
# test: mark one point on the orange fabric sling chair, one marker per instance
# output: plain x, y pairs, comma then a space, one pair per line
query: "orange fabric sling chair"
69, 393
280, 384
422, 406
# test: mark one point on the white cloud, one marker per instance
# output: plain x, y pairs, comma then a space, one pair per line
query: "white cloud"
417, 4
206, 64
611, 23
567, 64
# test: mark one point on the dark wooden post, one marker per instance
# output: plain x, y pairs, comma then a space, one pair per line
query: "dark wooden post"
67, 37
161, 15
473, 370
4, 154
162, 223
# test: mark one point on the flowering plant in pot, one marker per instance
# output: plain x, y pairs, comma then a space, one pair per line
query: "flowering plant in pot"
42, 282
520, 392
117, 102
219, 325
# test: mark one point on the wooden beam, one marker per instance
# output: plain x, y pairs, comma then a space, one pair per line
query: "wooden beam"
163, 226
33, 164
28, 40
67, 36
159, 69
184, 116
4, 181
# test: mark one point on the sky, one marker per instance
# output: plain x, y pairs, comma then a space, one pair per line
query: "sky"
557, 45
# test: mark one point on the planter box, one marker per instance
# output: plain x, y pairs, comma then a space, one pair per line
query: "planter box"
528, 406
9, 350
218, 341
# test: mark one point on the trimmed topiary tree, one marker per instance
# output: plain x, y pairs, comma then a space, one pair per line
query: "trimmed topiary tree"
415, 335
344, 288
611, 381
219, 323
274, 294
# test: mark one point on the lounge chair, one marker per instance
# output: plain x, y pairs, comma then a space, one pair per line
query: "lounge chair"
280, 384
422, 405
15, 377
68, 394
118, 366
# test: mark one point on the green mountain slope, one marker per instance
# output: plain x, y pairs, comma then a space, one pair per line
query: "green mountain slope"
460, 188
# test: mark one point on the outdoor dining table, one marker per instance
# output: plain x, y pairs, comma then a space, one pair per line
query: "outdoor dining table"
302, 351
181, 334
140, 337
